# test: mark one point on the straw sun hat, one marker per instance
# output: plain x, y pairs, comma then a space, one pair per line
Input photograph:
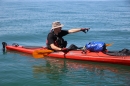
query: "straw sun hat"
56, 24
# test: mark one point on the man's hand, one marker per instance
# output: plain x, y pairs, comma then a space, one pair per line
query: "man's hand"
85, 29
64, 49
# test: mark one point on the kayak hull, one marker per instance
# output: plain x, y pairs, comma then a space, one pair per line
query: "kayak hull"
77, 55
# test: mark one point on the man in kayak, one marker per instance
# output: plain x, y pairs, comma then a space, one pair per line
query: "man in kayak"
54, 38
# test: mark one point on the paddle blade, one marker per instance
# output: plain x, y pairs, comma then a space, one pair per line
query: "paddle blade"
107, 45
41, 53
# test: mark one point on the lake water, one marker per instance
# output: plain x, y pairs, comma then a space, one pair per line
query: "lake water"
28, 23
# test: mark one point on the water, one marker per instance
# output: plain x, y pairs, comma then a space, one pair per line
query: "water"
28, 22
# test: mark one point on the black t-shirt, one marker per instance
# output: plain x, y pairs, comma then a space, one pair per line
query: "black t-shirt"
52, 37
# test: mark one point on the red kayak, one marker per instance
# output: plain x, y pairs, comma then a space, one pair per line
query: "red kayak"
76, 55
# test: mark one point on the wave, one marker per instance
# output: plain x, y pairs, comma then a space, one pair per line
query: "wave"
121, 29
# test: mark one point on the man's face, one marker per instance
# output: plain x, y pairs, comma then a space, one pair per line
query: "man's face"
58, 29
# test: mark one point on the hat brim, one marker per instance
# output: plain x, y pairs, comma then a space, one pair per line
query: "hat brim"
57, 26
